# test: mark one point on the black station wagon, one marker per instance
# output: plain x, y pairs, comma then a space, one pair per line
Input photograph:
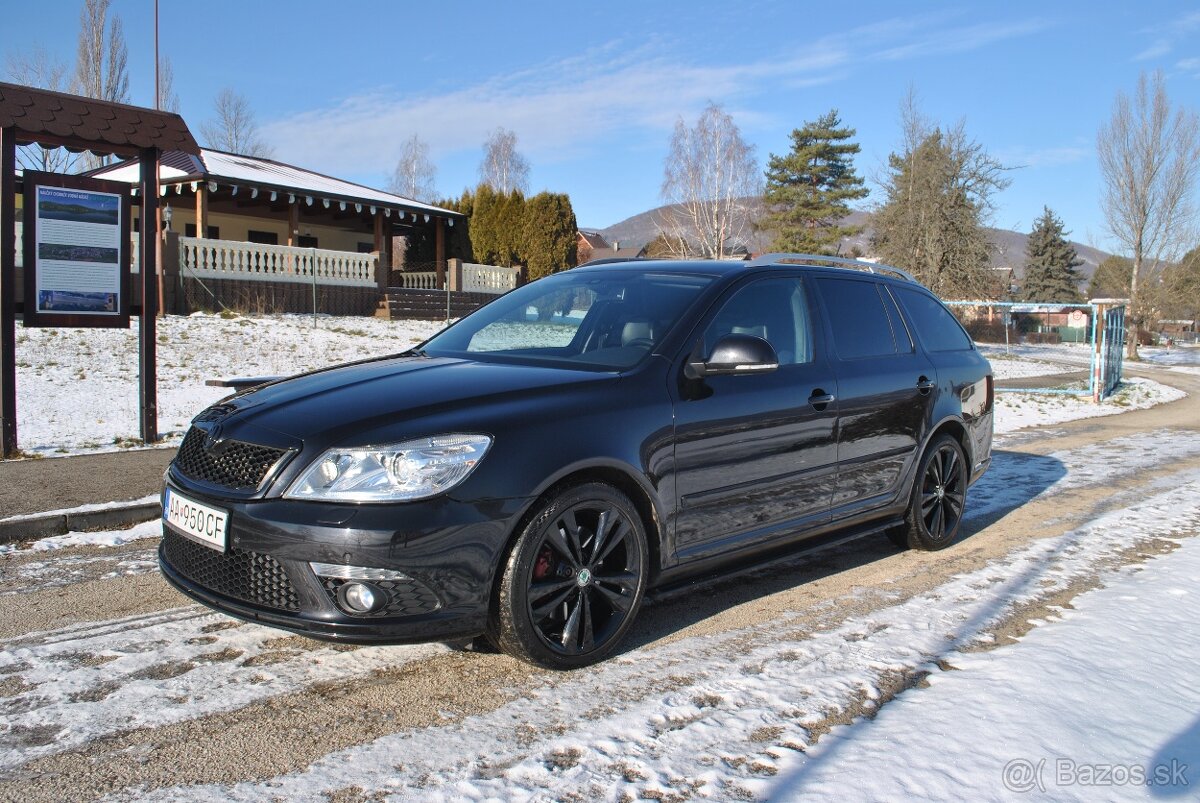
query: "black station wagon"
524, 476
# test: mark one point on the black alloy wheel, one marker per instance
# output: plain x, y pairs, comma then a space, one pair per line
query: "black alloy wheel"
939, 497
574, 580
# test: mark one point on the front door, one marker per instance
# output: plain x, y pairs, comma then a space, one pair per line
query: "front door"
755, 454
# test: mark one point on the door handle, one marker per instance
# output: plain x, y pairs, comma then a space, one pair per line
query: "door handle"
925, 384
819, 398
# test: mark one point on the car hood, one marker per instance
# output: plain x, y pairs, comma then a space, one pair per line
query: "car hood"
350, 404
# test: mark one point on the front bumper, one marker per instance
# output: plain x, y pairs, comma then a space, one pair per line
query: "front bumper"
447, 550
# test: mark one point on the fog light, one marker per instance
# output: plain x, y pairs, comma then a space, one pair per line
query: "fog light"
360, 597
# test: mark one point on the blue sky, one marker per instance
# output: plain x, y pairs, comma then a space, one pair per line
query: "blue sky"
592, 90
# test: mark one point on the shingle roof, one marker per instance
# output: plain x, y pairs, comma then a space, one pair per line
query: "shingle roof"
256, 172
594, 239
54, 118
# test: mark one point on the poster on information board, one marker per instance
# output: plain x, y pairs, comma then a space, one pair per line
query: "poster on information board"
76, 251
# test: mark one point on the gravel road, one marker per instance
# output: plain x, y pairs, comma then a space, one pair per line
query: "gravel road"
112, 684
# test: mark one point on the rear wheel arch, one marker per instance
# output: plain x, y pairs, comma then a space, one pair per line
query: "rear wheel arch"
956, 429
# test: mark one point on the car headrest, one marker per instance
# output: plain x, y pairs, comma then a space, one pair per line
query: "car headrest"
636, 330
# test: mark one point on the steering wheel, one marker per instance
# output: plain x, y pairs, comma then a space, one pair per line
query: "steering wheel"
639, 343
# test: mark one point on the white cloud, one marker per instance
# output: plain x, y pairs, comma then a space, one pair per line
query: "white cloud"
1044, 157
562, 108
1168, 35
1160, 47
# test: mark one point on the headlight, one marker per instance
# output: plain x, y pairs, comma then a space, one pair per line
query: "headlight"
394, 473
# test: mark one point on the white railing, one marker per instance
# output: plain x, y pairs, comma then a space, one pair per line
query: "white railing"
416, 280
488, 278
227, 259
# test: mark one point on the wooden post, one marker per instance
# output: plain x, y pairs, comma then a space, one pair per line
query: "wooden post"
440, 252
148, 248
293, 224
202, 209
379, 233
169, 284
8, 287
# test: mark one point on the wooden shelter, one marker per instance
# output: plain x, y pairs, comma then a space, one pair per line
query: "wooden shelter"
53, 119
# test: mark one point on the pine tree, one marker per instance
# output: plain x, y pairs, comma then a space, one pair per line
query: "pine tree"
933, 221
549, 241
1050, 262
484, 223
808, 190
1181, 287
458, 241
1111, 279
510, 229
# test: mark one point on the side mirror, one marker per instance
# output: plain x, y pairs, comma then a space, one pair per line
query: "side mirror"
733, 354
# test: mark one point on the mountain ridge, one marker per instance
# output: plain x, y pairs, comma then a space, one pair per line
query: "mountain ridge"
639, 229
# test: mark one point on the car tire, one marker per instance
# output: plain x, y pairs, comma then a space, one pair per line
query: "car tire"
938, 498
574, 579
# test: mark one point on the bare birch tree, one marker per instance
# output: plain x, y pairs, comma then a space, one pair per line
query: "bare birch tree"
168, 98
1149, 158
415, 176
234, 128
503, 168
38, 68
710, 181
101, 61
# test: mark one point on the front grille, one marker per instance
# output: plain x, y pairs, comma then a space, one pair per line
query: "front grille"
240, 574
405, 597
235, 465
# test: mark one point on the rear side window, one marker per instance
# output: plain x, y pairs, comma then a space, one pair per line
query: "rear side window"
938, 329
860, 322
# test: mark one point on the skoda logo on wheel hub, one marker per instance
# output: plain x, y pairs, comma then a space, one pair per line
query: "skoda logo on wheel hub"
583, 578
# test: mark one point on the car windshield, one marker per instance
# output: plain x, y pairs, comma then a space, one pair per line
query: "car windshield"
590, 319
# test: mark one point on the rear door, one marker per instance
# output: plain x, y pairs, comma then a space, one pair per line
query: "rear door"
755, 454
885, 391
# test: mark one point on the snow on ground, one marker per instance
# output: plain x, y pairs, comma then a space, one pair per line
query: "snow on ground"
61, 373
88, 680
733, 708
1020, 410
1181, 358
1063, 713
733, 721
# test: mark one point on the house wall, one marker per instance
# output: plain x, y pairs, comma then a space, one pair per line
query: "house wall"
238, 227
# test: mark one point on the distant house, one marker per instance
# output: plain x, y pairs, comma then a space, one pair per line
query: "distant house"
617, 252
586, 243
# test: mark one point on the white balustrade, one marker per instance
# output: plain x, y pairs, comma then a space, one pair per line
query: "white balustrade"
488, 278
227, 259
416, 280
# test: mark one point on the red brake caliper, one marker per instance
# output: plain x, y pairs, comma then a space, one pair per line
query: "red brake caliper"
541, 566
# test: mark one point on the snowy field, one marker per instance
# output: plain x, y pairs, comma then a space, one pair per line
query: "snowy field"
61, 373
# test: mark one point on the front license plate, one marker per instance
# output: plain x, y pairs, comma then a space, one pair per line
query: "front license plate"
208, 525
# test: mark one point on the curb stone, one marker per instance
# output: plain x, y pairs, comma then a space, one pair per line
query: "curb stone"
34, 527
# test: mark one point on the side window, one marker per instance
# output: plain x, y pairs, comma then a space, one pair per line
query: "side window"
775, 310
937, 327
860, 321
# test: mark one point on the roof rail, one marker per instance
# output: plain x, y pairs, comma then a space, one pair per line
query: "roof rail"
837, 262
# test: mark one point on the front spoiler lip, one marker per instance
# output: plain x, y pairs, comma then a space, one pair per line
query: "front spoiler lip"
415, 630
